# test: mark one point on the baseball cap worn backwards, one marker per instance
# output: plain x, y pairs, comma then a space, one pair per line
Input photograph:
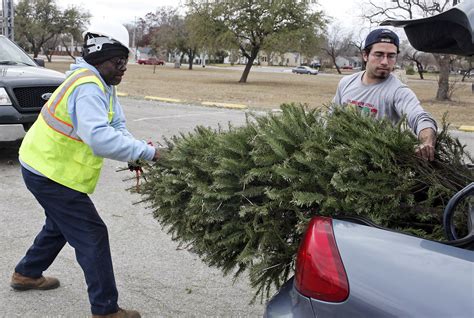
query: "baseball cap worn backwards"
382, 36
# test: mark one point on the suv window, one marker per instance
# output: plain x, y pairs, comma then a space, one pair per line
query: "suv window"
24, 86
10, 54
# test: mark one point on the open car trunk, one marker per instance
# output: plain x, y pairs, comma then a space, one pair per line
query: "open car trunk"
450, 32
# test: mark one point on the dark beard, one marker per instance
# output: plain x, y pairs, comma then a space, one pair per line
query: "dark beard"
382, 75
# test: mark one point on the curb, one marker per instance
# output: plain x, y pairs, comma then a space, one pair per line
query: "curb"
225, 105
163, 99
174, 100
466, 128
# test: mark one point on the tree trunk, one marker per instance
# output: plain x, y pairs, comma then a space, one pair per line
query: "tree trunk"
467, 74
419, 67
67, 50
335, 64
248, 66
251, 58
49, 55
443, 81
191, 55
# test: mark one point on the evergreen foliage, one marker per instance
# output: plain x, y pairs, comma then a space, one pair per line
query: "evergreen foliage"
242, 198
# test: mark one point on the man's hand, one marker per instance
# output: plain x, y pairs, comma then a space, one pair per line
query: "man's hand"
426, 150
134, 165
159, 153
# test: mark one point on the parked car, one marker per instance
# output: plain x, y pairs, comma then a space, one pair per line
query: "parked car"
24, 85
151, 61
353, 268
304, 70
347, 67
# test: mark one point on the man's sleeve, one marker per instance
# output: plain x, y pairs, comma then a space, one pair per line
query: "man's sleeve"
406, 103
119, 121
87, 107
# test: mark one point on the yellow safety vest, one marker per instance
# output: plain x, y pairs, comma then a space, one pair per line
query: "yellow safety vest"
53, 148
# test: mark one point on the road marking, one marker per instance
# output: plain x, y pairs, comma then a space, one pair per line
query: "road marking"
179, 116
122, 94
163, 99
225, 105
466, 128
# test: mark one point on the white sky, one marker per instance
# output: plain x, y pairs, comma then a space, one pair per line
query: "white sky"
344, 13
125, 11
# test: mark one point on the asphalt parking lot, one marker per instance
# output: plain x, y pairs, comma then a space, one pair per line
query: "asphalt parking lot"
154, 275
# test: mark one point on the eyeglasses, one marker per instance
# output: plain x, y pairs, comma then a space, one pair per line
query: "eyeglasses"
380, 56
119, 62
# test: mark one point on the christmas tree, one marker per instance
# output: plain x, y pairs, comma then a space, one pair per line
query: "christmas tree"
242, 197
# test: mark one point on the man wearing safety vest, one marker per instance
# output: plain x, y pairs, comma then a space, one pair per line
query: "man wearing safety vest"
61, 158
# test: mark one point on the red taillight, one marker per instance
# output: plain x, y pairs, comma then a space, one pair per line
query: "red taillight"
320, 273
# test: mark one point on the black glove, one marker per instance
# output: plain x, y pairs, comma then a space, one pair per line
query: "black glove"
134, 166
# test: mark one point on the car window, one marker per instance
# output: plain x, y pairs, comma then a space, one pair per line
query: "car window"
10, 54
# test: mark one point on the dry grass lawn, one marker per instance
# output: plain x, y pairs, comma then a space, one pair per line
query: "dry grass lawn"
267, 90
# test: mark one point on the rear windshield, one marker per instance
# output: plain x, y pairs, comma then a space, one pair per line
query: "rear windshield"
10, 54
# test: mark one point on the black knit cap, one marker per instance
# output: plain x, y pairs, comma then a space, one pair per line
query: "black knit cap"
107, 52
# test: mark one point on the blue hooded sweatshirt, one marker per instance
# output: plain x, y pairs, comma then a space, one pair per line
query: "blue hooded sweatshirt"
88, 108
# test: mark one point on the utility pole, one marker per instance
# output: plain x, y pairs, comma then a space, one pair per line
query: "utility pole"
134, 31
7, 18
134, 36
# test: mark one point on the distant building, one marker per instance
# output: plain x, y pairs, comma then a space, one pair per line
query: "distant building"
143, 53
290, 59
352, 61
286, 59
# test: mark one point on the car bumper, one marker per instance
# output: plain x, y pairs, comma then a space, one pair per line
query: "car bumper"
288, 302
10, 116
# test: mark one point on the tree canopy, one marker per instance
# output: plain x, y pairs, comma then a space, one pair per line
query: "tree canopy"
39, 21
251, 25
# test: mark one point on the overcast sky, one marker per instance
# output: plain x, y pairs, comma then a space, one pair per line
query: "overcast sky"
125, 11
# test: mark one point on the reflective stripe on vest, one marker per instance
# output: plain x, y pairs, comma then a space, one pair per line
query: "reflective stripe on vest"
49, 109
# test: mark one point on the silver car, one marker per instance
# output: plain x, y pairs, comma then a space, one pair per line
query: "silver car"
352, 268
304, 70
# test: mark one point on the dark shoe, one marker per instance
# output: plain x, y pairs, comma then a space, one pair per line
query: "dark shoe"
121, 313
20, 282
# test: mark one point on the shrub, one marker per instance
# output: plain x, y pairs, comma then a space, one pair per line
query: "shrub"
410, 70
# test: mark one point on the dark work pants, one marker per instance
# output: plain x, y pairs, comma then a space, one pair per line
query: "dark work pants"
71, 217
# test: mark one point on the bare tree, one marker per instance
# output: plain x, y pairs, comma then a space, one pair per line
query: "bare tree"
337, 44
375, 11
358, 43
414, 56
467, 73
